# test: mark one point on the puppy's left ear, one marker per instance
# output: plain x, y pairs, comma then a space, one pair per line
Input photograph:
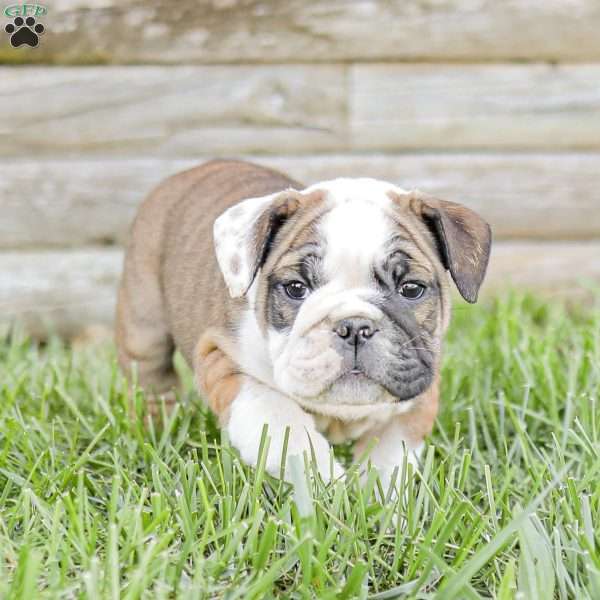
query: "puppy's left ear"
243, 235
463, 239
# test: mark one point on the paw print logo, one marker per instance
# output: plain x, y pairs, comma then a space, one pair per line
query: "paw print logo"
24, 31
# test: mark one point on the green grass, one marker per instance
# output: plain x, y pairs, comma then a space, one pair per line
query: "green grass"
506, 503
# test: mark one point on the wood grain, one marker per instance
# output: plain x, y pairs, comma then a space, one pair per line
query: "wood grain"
170, 111
69, 203
62, 291
67, 291
217, 31
475, 106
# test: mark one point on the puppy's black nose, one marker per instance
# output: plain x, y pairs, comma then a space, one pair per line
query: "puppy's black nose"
355, 331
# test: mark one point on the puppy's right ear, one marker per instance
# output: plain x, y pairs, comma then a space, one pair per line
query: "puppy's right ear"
243, 234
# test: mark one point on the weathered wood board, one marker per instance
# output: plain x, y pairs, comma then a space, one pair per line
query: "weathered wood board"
178, 112
545, 266
170, 111
474, 106
67, 291
58, 203
59, 291
216, 31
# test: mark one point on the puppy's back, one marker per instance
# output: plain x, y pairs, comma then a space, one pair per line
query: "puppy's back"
172, 289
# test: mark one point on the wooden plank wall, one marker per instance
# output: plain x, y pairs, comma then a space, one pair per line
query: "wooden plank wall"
494, 104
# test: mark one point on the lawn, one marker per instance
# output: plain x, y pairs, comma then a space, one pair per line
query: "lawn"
505, 504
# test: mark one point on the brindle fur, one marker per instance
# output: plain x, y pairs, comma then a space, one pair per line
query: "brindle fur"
172, 289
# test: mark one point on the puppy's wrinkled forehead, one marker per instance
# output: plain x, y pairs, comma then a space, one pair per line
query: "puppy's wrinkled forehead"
354, 229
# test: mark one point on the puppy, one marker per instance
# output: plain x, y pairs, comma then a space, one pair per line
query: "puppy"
318, 309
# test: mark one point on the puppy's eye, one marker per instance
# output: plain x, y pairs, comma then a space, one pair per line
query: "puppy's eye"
296, 290
412, 290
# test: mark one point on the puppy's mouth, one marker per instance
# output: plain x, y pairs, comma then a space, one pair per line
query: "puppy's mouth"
360, 381
356, 377
357, 373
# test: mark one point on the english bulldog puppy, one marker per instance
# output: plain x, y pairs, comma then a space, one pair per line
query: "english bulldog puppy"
320, 309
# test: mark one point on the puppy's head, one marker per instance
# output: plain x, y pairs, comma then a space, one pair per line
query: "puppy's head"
348, 283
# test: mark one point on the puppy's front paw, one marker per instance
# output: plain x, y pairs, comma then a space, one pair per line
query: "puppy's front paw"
256, 406
301, 442
315, 447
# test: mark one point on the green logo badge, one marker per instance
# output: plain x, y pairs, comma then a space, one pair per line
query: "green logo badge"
25, 10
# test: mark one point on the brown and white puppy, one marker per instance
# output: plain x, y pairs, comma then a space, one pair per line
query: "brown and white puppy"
321, 309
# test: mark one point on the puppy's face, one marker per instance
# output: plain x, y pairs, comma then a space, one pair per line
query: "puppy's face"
347, 281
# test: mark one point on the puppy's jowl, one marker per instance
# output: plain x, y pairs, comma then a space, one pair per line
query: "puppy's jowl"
321, 309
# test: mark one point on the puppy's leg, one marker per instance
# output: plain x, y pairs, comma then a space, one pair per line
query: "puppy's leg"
390, 446
217, 375
256, 405
401, 437
143, 340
